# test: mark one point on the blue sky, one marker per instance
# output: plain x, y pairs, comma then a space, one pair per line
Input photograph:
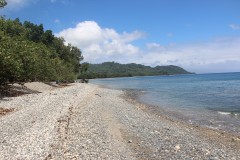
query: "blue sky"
200, 35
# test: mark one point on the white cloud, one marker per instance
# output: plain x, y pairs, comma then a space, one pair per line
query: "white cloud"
106, 44
52, 1
101, 44
234, 26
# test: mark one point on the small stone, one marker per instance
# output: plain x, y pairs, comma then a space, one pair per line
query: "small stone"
177, 147
156, 132
207, 152
130, 141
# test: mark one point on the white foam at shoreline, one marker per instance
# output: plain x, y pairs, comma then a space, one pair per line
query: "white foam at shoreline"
228, 113
224, 113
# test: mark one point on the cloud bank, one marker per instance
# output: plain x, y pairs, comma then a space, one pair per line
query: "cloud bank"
106, 44
220, 55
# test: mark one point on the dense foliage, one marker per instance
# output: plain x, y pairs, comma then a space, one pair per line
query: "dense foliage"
112, 69
2, 3
30, 53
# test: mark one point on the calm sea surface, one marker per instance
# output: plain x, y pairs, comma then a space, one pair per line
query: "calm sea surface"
211, 100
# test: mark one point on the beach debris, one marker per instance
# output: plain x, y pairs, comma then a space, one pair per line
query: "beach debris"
98, 95
48, 157
235, 139
4, 111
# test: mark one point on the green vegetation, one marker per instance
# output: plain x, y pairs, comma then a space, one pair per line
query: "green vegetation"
30, 53
2, 3
112, 69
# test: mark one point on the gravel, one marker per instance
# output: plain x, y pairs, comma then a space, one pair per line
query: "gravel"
84, 121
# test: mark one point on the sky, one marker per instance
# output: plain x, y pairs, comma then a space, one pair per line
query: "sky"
202, 36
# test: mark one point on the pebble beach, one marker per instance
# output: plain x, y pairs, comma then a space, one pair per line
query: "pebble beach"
85, 121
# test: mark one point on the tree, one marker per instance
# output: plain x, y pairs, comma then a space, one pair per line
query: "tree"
47, 37
3, 3
28, 53
34, 32
83, 73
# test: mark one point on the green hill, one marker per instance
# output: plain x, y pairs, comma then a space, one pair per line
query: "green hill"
113, 69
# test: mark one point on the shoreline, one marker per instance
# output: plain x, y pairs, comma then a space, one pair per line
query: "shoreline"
215, 136
87, 121
182, 117
132, 97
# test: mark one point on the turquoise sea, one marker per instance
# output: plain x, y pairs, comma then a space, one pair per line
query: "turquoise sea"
211, 100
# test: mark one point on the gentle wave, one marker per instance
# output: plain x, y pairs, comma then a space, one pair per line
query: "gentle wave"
224, 113
228, 113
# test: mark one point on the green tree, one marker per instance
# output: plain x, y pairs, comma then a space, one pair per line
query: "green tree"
28, 53
47, 37
34, 32
3, 3
83, 73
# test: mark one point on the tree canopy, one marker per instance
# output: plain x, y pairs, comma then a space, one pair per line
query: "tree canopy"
30, 53
3, 3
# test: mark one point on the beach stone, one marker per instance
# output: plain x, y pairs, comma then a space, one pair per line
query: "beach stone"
66, 126
177, 147
130, 141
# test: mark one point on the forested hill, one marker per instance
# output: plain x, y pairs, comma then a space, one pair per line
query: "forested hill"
112, 69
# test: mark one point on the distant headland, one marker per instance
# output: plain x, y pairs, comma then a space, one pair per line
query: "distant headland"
114, 69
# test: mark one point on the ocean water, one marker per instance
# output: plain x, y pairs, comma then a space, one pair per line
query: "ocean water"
211, 100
